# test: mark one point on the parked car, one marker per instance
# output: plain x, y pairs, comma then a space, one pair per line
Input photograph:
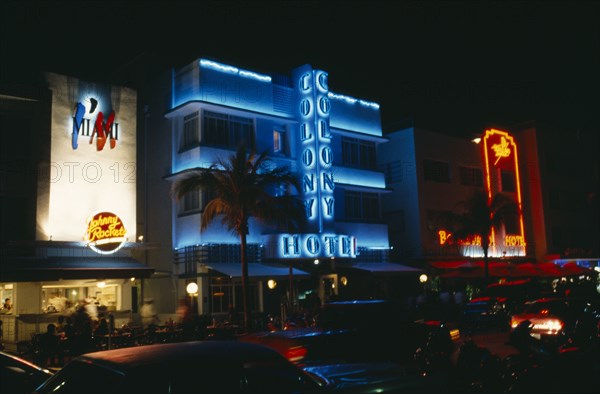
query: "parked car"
486, 312
221, 366
201, 366
556, 317
358, 331
19, 375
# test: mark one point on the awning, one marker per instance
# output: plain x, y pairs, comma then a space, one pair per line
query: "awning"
520, 270
387, 268
56, 268
255, 270
453, 264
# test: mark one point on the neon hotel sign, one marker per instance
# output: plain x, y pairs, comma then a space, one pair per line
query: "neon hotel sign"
317, 176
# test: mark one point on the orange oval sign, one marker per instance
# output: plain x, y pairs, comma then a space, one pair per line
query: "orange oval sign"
105, 233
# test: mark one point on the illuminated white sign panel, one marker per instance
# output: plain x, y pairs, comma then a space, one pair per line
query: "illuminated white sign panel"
92, 158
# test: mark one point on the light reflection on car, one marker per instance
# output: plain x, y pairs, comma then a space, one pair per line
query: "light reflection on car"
19, 375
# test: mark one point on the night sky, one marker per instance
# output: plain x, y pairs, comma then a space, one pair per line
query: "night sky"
452, 66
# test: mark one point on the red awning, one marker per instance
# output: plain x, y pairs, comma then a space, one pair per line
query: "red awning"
451, 264
515, 270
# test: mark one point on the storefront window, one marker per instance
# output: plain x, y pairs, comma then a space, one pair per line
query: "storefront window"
224, 293
6, 298
65, 298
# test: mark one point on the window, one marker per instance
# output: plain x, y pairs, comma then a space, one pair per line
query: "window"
358, 153
392, 171
190, 131
191, 201
436, 171
471, 177
207, 196
280, 144
361, 206
276, 141
224, 292
227, 130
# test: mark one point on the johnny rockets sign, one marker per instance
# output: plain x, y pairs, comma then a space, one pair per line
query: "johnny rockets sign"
105, 233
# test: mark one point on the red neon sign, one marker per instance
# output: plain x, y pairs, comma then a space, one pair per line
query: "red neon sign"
500, 153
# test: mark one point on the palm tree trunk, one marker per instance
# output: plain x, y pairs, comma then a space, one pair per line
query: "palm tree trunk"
245, 295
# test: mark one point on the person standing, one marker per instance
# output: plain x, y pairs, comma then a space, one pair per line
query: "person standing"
148, 313
186, 319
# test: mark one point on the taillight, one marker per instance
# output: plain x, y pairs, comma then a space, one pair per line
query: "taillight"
295, 354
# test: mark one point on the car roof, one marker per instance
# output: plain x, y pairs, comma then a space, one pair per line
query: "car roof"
212, 351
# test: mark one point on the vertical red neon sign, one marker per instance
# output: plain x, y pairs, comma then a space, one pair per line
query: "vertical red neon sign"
500, 153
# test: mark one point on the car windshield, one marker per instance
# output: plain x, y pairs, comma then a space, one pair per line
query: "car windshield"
80, 377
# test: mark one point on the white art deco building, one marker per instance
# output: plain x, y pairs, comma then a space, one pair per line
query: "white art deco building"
329, 139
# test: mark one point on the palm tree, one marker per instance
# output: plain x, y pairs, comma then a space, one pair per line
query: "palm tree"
479, 216
244, 186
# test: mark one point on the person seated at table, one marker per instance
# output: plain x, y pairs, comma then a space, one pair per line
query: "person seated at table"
49, 344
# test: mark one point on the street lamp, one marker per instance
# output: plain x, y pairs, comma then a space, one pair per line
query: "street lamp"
192, 288
423, 279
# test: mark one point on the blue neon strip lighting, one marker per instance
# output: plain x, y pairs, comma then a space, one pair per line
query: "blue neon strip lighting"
352, 100
234, 70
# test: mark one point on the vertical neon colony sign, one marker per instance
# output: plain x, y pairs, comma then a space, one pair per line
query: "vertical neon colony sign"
317, 176
102, 129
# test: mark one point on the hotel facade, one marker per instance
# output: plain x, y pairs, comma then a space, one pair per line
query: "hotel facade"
552, 177
199, 114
